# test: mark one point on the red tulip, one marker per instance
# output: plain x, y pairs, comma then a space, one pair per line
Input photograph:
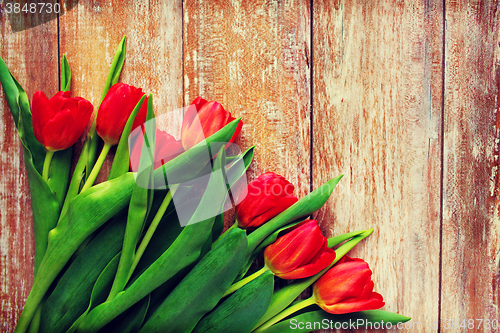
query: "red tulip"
202, 119
267, 196
115, 110
60, 121
166, 148
300, 253
347, 287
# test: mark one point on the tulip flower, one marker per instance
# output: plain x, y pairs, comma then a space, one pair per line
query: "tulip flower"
202, 119
300, 253
266, 197
166, 148
59, 122
115, 110
347, 287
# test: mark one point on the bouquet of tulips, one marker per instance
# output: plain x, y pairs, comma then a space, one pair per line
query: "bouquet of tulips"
145, 251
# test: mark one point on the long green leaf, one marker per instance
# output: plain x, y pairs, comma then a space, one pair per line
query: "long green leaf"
121, 160
240, 311
319, 319
65, 74
202, 288
44, 202
100, 290
71, 296
139, 206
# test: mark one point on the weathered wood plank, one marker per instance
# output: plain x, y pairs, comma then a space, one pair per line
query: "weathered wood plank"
253, 58
471, 228
90, 33
31, 55
377, 120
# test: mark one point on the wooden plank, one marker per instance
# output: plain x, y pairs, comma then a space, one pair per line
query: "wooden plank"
377, 120
253, 58
471, 229
90, 33
31, 56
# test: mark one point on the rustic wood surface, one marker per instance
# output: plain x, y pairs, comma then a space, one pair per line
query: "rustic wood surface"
400, 97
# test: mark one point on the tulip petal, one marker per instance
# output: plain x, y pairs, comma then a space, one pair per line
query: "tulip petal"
318, 263
343, 281
42, 111
300, 247
375, 301
60, 131
57, 101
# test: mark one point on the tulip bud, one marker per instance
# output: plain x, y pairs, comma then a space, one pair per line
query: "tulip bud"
300, 253
166, 148
267, 196
347, 287
60, 121
202, 119
115, 110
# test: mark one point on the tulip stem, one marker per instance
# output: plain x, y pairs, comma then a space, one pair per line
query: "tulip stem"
46, 164
152, 228
285, 313
97, 167
244, 281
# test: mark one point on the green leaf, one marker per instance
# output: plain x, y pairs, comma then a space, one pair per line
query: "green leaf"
71, 295
240, 311
131, 320
100, 291
59, 174
65, 74
305, 206
319, 319
121, 160
334, 241
202, 288
116, 67
140, 204
10, 91
183, 252
36, 149
45, 203
218, 227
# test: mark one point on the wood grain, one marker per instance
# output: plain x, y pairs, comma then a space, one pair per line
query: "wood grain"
377, 120
471, 229
253, 58
31, 56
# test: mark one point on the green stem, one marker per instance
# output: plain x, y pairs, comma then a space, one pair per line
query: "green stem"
35, 322
244, 281
235, 225
46, 164
285, 313
151, 230
341, 238
97, 167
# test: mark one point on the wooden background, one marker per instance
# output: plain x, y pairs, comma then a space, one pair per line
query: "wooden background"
399, 96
